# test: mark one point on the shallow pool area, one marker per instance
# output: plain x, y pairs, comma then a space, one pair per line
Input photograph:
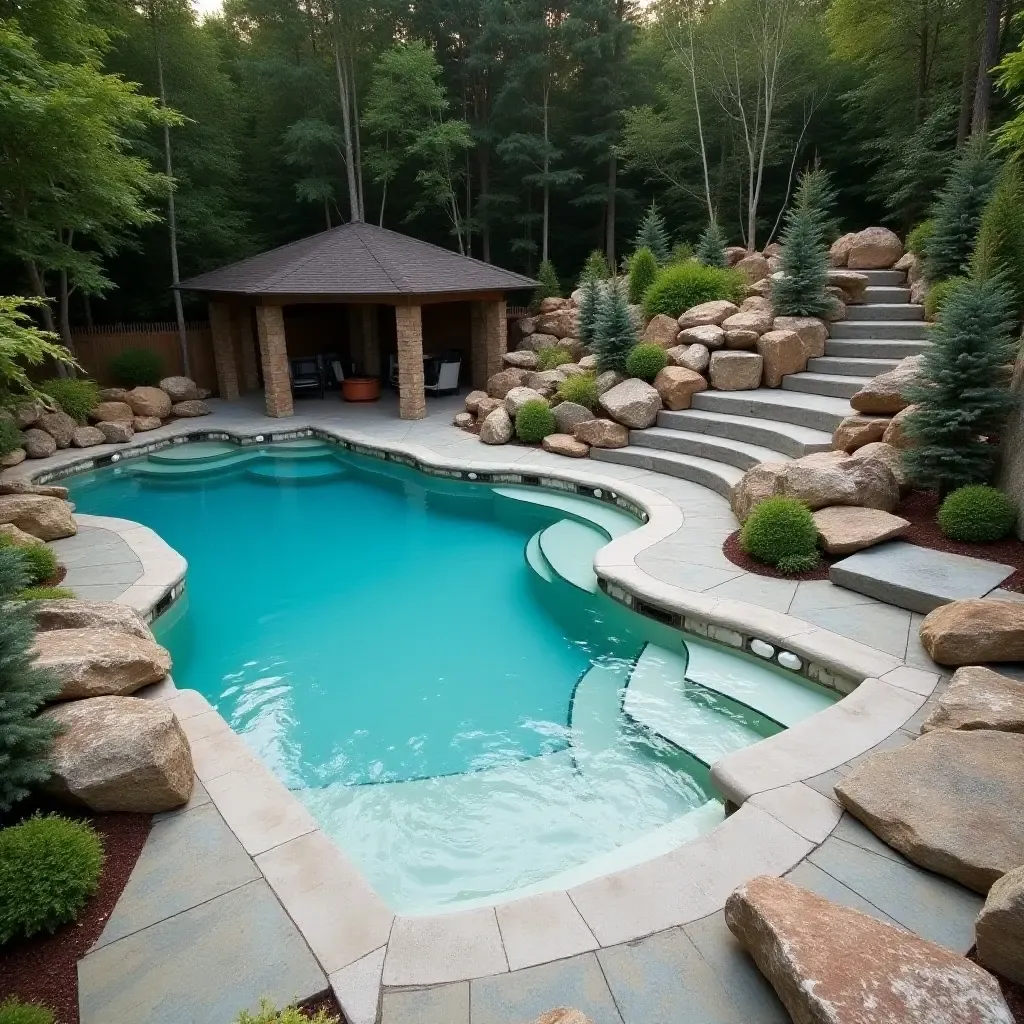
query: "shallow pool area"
429, 666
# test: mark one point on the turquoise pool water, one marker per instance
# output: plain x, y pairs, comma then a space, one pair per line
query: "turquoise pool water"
450, 713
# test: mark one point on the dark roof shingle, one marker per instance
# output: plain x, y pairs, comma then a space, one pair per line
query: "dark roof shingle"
357, 259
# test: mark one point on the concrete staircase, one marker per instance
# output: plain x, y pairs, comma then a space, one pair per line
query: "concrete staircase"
727, 432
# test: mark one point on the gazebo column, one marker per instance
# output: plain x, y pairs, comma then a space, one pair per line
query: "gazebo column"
412, 404
489, 339
223, 350
277, 383
247, 343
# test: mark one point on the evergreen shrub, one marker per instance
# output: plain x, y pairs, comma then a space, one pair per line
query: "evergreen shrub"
589, 310
652, 235
549, 358
596, 268
800, 291
549, 287
917, 237
646, 362
711, 248
682, 252
580, 388
49, 867
77, 396
13, 1011
681, 286
643, 269
10, 436
1000, 247
39, 561
615, 332
268, 1014
781, 532
936, 296
978, 514
534, 421
136, 367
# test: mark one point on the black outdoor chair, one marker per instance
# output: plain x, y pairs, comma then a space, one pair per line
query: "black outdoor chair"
307, 376
441, 376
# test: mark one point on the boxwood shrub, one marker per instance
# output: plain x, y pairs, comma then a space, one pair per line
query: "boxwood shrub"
682, 285
556, 355
781, 532
646, 361
978, 514
534, 421
136, 367
580, 388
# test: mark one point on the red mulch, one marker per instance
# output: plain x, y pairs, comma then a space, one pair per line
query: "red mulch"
43, 969
1012, 992
920, 508
56, 579
330, 1004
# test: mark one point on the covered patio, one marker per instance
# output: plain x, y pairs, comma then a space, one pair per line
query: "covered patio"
361, 293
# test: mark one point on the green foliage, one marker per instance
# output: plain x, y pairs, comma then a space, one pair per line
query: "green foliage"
936, 296
1000, 248
549, 358
918, 237
44, 594
977, 514
22, 344
549, 285
77, 396
643, 269
682, 252
39, 560
964, 395
534, 421
957, 212
25, 739
591, 301
13, 1011
646, 362
596, 268
804, 258
779, 530
615, 333
678, 288
10, 436
268, 1014
49, 867
798, 563
580, 388
652, 235
136, 367
711, 248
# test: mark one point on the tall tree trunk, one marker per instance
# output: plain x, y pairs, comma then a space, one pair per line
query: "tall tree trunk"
963, 125
922, 64
346, 124
609, 224
359, 145
327, 212
64, 321
35, 278
87, 305
987, 58
469, 206
547, 190
484, 174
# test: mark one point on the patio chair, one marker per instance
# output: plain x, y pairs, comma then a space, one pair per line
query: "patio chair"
327, 361
441, 376
307, 376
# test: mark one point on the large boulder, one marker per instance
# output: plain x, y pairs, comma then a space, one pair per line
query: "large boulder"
565, 444
694, 357
95, 661
497, 427
551, 303
843, 529
143, 423
851, 285
59, 425
974, 631
783, 353
632, 403
524, 360
734, 253
952, 802
537, 343
13, 458
662, 330
1000, 927
10, 534
753, 266
112, 394
116, 433
86, 437
545, 381
874, 249
504, 381
120, 754
149, 402
27, 487
830, 964
707, 313
856, 431
812, 331
473, 399
569, 414
677, 386
562, 323
735, 371
463, 420
190, 409
26, 413
884, 394
879, 451
978, 698
753, 321
38, 444
44, 517
896, 432
179, 389
486, 406
69, 613
756, 302
526, 325
518, 397
711, 336
602, 433
840, 251
112, 412
607, 380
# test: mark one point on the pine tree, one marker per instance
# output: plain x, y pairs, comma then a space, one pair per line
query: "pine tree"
25, 740
958, 212
815, 192
596, 268
643, 269
711, 248
964, 394
590, 310
653, 235
1000, 248
800, 291
615, 334
550, 286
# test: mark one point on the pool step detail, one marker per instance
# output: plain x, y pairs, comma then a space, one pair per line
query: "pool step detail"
611, 520
568, 549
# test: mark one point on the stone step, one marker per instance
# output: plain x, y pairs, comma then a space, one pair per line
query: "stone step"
886, 293
851, 367
824, 384
819, 412
717, 476
884, 311
884, 278
866, 348
880, 330
705, 446
787, 439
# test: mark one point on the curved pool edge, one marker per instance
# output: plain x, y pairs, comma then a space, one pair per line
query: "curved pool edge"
778, 819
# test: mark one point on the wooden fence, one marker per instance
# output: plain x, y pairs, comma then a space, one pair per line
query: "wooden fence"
95, 348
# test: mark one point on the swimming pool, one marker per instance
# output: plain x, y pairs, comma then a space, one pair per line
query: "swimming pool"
430, 668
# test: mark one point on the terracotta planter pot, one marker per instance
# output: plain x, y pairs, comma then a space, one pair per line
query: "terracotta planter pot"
360, 389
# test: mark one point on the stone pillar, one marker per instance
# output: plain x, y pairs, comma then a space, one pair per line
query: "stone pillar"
247, 343
489, 337
277, 383
412, 403
223, 350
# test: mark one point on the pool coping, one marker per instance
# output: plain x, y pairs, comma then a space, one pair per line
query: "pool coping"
776, 819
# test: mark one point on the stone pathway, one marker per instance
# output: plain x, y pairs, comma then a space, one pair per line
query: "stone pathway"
101, 565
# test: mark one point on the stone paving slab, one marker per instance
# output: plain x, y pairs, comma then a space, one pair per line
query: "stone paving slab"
443, 1004
808, 876
917, 578
202, 966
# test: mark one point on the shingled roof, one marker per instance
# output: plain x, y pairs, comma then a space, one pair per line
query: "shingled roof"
358, 259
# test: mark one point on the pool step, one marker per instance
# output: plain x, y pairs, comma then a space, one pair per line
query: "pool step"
608, 518
298, 470
716, 475
568, 548
535, 559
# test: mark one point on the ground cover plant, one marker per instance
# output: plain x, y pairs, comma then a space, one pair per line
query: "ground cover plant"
781, 532
580, 388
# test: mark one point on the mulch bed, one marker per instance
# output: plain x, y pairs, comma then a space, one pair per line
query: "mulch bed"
330, 1004
56, 579
920, 509
43, 969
